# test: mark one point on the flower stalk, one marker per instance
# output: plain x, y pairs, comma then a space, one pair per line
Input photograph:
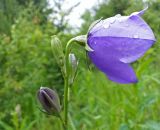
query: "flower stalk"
66, 80
68, 68
80, 40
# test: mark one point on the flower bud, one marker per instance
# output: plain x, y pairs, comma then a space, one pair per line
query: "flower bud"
49, 100
73, 67
57, 51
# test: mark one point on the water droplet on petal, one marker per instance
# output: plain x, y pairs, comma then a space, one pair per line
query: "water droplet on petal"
106, 25
135, 36
112, 20
118, 15
95, 43
120, 20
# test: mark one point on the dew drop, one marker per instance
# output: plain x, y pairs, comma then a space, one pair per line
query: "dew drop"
112, 20
135, 36
106, 25
120, 20
118, 15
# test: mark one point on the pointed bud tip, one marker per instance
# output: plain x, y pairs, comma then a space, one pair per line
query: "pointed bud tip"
53, 36
42, 88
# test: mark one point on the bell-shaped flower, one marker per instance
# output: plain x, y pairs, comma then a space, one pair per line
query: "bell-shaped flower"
118, 41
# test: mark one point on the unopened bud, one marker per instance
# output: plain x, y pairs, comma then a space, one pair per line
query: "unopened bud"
49, 100
57, 51
73, 60
73, 67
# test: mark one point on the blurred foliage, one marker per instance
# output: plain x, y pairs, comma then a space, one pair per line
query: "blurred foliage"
10, 10
26, 63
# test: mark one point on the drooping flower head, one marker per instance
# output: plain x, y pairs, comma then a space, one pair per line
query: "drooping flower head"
118, 41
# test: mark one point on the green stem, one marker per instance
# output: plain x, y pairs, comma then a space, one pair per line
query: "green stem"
66, 80
81, 40
66, 103
63, 124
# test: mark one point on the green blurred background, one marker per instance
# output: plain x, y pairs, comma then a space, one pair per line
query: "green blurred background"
26, 63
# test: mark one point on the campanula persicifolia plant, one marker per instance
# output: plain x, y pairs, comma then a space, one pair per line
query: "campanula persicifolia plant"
111, 44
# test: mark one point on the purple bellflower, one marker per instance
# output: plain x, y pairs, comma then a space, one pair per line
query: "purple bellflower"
118, 41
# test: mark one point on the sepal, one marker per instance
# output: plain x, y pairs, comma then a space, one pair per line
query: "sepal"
87, 47
82, 39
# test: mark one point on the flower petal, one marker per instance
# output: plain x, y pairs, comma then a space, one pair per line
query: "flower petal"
114, 70
140, 12
122, 73
132, 26
126, 50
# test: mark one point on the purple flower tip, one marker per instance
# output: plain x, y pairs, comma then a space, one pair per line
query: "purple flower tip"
49, 100
118, 41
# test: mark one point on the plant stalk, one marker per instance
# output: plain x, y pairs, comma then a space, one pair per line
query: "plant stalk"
63, 124
81, 40
66, 86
